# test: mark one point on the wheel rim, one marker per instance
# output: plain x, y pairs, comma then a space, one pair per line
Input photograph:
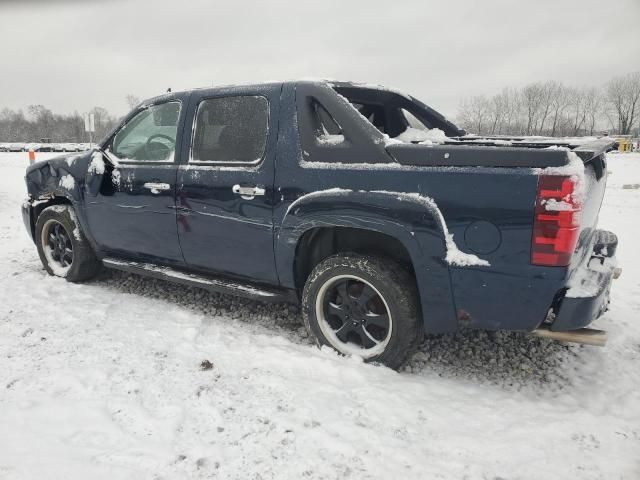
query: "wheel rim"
353, 316
57, 247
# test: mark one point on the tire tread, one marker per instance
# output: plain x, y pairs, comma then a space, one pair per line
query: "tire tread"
398, 283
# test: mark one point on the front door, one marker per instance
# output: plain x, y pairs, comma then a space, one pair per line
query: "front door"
134, 213
225, 193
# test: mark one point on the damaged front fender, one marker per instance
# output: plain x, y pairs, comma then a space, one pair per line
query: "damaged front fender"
58, 177
53, 181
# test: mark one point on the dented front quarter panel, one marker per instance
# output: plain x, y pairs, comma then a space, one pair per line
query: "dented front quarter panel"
56, 180
46, 178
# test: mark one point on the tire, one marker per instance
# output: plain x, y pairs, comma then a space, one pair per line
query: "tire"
373, 287
57, 231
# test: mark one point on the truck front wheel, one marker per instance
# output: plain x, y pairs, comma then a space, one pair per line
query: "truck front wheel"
365, 306
62, 247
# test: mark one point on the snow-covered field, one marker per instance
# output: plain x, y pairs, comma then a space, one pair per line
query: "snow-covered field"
104, 381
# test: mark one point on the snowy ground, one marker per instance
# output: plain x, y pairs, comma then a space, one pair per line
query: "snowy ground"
104, 381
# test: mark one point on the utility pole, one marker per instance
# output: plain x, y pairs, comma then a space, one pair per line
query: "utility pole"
90, 126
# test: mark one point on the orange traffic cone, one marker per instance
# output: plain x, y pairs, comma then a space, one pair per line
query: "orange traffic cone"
32, 155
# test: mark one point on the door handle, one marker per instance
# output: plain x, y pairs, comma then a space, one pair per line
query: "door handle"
248, 192
156, 187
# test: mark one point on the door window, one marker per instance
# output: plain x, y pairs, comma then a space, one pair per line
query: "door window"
150, 135
231, 130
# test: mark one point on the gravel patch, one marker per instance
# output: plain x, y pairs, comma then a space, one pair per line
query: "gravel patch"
274, 318
509, 360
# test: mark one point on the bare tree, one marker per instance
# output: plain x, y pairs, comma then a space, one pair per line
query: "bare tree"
532, 99
132, 100
551, 108
40, 122
593, 107
560, 100
497, 109
473, 114
103, 121
623, 96
512, 100
43, 121
15, 126
549, 91
577, 112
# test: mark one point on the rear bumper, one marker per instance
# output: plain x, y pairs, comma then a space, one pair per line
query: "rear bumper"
578, 312
587, 293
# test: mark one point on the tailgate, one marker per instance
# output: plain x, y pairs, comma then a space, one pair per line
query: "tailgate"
595, 179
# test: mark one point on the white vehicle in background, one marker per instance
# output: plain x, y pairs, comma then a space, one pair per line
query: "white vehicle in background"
33, 146
4, 147
16, 147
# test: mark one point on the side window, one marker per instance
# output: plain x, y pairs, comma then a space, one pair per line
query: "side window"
150, 135
412, 120
231, 130
374, 113
328, 132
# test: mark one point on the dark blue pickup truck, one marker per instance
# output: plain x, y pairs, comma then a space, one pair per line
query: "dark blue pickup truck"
380, 216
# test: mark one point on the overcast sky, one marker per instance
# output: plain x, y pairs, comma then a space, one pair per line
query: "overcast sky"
71, 55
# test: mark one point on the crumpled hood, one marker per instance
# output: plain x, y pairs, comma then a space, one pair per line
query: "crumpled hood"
68, 159
43, 177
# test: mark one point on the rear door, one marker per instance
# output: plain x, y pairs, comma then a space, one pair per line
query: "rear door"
225, 189
134, 213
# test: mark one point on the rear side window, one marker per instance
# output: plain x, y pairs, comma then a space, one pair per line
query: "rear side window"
413, 121
325, 124
327, 130
231, 130
374, 113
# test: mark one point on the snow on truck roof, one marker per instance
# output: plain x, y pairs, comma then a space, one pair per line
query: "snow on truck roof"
319, 81
445, 133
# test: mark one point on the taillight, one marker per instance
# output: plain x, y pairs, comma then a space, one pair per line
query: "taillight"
557, 221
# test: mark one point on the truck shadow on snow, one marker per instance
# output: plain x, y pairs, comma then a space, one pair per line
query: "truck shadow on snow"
504, 359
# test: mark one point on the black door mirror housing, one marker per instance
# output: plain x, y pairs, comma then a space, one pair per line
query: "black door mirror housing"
96, 173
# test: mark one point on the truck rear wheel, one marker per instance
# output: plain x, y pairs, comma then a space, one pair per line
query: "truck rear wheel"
63, 249
365, 306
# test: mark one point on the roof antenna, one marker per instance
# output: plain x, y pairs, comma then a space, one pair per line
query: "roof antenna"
169, 90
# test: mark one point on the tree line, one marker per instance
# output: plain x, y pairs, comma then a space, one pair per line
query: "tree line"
554, 109
39, 122
540, 108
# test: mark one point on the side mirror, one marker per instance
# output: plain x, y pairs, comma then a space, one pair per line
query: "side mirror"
95, 173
